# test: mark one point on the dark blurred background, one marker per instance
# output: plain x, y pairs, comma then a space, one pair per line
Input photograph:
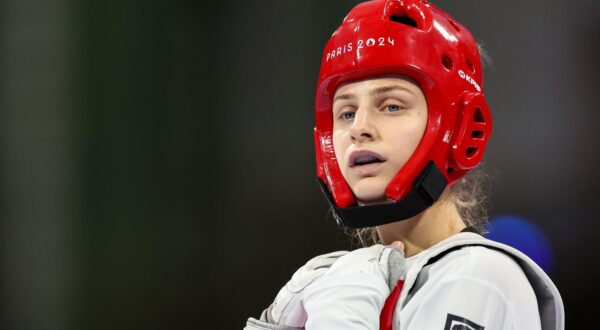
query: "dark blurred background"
156, 159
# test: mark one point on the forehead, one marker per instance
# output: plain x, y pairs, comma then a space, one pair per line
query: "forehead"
370, 83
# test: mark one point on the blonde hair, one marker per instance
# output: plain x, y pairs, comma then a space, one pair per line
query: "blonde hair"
470, 196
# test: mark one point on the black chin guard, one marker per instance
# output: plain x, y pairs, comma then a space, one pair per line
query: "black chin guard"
427, 188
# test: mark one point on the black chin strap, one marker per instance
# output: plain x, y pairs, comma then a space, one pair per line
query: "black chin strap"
427, 188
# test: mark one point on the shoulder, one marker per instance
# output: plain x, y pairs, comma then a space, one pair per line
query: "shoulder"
476, 283
469, 255
484, 264
486, 275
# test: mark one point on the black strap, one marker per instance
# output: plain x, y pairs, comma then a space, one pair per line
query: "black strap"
427, 188
437, 257
442, 254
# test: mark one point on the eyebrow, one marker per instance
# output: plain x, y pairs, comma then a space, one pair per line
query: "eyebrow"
386, 89
375, 91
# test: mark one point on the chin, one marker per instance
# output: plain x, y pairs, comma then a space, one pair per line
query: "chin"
369, 192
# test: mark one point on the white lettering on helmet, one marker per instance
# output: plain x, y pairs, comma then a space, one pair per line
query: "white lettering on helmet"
360, 43
470, 80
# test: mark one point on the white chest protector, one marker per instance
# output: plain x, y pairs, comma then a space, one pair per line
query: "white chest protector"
477, 274
465, 282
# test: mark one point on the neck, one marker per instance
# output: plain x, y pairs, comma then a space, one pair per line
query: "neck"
438, 222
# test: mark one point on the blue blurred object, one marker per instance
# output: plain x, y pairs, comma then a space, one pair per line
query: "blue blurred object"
524, 236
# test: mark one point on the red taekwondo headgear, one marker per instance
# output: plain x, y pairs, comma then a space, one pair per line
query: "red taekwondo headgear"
412, 38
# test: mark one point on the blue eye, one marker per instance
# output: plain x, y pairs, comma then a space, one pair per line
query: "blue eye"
348, 115
393, 108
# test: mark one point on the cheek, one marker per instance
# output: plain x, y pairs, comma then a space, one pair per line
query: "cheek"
339, 145
406, 139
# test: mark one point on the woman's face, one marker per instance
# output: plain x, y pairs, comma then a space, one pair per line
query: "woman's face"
377, 125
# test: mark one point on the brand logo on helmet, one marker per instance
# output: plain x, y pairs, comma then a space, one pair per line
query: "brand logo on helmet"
360, 44
468, 78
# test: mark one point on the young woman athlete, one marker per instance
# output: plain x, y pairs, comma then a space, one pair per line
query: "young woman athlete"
400, 119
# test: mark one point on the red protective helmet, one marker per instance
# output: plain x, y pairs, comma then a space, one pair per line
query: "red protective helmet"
412, 38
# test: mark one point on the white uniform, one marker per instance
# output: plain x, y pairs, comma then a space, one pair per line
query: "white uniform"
466, 282
479, 284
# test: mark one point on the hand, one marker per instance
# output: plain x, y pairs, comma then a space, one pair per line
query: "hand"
287, 308
377, 261
333, 281
351, 294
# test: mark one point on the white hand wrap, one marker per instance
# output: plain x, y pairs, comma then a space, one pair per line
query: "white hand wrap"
336, 290
353, 291
287, 310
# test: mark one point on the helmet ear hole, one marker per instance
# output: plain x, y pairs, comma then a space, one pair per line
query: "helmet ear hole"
473, 131
478, 116
476, 134
471, 151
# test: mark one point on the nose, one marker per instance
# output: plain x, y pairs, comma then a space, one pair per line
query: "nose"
362, 127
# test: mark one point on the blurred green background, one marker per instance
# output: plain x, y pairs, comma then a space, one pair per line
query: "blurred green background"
156, 158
